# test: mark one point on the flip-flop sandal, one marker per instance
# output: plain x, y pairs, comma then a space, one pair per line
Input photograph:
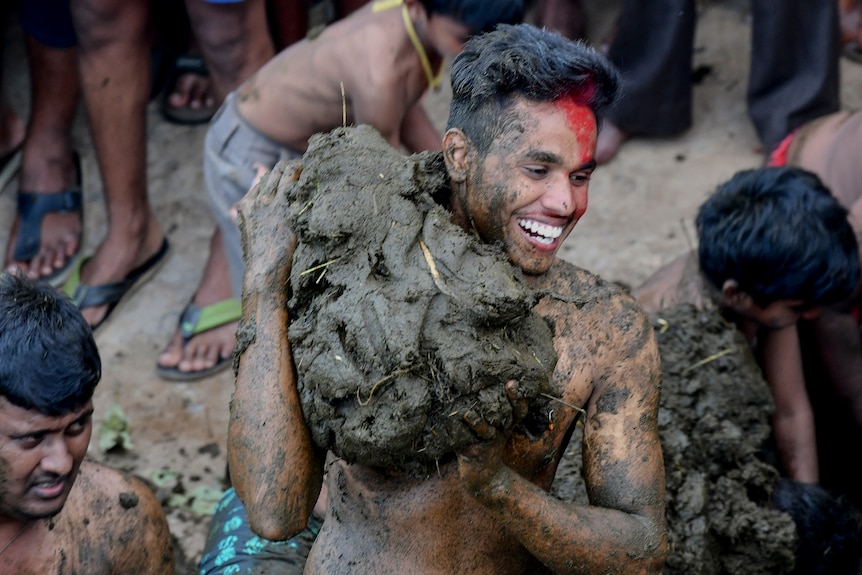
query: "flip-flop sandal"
116, 293
185, 115
196, 320
10, 163
32, 209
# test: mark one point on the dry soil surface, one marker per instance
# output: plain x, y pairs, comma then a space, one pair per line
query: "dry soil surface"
640, 217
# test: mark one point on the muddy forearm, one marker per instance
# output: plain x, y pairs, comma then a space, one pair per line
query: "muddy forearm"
571, 538
274, 466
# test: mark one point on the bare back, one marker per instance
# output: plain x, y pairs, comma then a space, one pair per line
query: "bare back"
383, 522
110, 525
360, 70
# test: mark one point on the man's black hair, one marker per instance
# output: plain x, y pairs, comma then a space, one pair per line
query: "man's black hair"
478, 15
523, 61
781, 235
828, 540
48, 357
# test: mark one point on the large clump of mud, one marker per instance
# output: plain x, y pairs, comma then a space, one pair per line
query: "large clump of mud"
713, 422
401, 321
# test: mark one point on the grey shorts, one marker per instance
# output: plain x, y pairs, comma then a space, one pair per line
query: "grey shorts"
232, 150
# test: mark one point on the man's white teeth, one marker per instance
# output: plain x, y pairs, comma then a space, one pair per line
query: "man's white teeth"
547, 234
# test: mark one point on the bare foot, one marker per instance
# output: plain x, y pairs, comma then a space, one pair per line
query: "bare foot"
44, 170
191, 100
119, 253
193, 91
206, 349
609, 141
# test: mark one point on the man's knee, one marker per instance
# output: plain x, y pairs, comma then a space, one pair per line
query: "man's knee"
99, 23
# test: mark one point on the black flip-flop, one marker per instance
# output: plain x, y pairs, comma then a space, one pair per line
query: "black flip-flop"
112, 294
32, 209
185, 115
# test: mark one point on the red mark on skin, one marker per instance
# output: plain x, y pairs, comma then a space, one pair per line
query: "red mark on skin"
579, 118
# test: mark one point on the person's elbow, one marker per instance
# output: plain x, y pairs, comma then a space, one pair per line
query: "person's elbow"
274, 526
654, 550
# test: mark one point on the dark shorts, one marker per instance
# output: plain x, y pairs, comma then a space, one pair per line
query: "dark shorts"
232, 548
232, 150
49, 22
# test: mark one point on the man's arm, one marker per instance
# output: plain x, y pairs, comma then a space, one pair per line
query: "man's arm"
623, 529
418, 133
275, 468
839, 345
793, 420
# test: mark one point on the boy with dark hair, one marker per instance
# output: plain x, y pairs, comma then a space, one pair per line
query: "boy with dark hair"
370, 68
487, 509
59, 512
777, 254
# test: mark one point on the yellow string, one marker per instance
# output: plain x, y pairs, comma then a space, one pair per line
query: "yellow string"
433, 79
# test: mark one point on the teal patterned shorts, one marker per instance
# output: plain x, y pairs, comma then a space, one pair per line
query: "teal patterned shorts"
232, 548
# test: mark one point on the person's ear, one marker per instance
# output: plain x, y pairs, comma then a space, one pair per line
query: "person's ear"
734, 297
455, 148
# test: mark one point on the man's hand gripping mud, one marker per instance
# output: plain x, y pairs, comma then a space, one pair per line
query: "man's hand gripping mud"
481, 465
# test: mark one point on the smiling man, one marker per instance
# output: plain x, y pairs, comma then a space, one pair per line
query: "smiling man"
519, 152
58, 512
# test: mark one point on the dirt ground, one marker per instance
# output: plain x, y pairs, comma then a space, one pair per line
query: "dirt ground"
640, 217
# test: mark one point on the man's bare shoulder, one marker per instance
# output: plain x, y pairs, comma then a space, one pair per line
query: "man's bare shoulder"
566, 285
676, 282
118, 514
598, 324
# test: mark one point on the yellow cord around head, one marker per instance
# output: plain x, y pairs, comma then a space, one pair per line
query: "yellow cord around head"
433, 79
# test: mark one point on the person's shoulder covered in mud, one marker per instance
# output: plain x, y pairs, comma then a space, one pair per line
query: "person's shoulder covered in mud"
113, 524
607, 354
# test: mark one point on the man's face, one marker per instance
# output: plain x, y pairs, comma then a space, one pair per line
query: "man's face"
777, 315
39, 458
530, 189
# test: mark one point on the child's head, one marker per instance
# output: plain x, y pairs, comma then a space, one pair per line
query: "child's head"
780, 235
49, 361
477, 15
829, 540
495, 69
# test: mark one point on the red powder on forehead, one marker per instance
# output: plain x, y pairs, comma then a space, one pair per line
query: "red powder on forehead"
578, 116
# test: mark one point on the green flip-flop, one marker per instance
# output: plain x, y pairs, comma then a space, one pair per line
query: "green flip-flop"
196, 320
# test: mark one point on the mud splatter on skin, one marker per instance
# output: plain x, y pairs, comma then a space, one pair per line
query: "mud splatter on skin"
712, 423
400, 321
128, 500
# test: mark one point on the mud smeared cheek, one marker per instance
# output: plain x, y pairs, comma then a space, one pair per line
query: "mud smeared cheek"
581, 121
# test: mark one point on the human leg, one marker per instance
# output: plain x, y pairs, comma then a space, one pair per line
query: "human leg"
231, 546
48, 166
114, 61
12, 128
563, 16
653, 50
12, 132
233, 154
795, 50
235, 43
234, 40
